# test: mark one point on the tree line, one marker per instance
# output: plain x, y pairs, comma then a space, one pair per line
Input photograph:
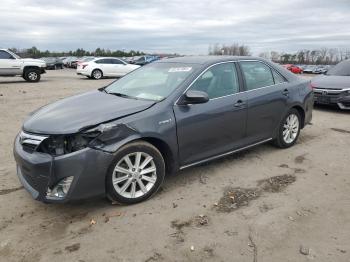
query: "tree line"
232, 49
323, 56
34, 52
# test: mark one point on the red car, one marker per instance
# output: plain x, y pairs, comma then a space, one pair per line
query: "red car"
293, 68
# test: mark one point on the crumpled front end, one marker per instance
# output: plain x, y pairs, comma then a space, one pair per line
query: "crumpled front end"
59, 175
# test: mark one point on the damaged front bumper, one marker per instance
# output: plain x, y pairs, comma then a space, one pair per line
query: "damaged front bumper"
40, 172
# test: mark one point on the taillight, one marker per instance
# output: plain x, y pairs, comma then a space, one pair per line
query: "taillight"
84, 65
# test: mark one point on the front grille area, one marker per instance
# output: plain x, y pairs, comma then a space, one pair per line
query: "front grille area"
30, 142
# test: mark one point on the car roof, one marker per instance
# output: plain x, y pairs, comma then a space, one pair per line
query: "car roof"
203, 60
107, 57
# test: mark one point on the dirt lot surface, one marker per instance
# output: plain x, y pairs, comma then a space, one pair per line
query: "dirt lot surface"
264, 204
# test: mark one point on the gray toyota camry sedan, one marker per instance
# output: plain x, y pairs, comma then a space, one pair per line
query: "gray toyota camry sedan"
122, 140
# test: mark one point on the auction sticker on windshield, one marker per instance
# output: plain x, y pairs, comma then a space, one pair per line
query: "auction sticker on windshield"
179, 69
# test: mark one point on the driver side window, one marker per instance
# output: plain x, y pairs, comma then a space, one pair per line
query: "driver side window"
219, 80
5, 55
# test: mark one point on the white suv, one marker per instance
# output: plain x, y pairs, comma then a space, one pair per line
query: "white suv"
11, 65
105, 66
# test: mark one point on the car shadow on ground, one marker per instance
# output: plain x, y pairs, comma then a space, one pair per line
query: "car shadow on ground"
22, 81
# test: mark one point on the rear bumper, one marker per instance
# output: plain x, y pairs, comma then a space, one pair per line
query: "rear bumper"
38, 171
83, 72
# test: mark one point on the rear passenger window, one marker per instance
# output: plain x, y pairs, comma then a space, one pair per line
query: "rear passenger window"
219, 80
103, 61
278, 78
117, 62
256, 75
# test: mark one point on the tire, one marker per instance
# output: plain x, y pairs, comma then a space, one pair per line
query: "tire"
96, 74
129, 190
286, 126
32, 75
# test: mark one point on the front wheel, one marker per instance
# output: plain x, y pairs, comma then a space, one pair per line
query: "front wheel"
289, 129
137, 172
32, 75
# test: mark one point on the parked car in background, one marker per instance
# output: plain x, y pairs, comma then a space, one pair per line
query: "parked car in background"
333, 88
28, 68
144, 60
105, 66
309, 69
53, 63
121, 140
68, 62
293, 68
85, 59
321, 69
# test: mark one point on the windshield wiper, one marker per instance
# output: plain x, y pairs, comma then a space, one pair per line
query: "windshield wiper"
120, 95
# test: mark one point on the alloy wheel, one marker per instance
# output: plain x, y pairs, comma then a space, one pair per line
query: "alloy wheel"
290, 128
97, 74
32, 76
134, 175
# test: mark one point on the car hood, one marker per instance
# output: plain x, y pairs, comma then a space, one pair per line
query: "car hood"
331, 82
72, 114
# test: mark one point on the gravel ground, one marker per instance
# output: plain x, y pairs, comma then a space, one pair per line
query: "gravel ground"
287, 205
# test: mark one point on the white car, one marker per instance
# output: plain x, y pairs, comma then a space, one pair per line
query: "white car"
13, 65
105, 66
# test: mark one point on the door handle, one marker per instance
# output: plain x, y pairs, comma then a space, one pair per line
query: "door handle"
285, 92
239, 103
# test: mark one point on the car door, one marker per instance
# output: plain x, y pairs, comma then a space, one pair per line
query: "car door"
267, 96
119, 67
9, 65
106, 66
217, 126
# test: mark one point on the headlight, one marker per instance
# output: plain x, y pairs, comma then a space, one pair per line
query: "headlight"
60, 190
60, 145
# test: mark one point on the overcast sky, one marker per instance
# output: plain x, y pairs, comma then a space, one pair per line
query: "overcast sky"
186, 27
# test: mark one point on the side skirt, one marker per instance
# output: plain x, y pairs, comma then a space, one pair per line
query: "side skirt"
225, 154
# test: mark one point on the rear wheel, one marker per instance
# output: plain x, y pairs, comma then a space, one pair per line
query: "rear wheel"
97, 74
137, 172
32, 75
289, 129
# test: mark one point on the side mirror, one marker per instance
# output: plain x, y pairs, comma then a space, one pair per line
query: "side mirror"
194, 97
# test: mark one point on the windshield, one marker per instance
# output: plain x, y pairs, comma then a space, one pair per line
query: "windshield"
14, 55
154, 82
341, 69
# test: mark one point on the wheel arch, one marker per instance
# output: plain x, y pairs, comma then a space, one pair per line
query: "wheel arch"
165, 150
97, 68
301, 111
170, 159
25, 68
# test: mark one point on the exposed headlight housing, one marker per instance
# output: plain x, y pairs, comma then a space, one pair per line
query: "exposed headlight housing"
65, 144
61, 189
